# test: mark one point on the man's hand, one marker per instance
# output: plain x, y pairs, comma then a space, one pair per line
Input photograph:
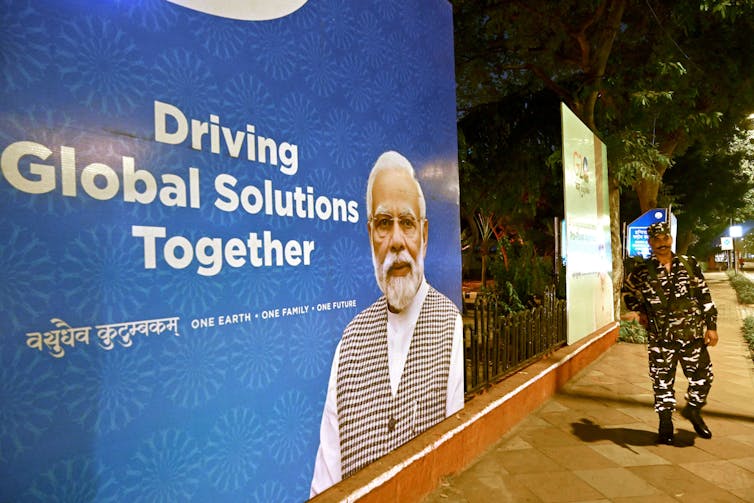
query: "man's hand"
710, 337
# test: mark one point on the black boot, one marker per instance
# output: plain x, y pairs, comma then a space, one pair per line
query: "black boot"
665, 432
694, 415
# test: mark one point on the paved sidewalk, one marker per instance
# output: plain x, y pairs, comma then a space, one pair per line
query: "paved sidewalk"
595, 440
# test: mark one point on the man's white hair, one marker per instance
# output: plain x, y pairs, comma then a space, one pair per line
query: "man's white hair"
393, 160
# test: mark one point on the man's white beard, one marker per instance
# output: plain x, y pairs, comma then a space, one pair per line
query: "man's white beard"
399, 290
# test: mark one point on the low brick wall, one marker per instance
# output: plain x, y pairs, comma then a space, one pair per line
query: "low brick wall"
415, 469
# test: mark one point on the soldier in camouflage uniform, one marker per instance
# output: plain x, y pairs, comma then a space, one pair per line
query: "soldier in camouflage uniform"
674, 304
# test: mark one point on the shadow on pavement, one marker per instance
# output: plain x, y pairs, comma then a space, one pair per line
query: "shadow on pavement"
609, 398
588, 431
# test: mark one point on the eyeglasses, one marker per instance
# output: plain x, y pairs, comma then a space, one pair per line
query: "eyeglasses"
383, 224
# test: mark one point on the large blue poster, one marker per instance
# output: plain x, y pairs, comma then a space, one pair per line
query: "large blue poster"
184, 232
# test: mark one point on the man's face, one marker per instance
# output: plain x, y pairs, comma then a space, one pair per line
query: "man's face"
398, 237
661, 244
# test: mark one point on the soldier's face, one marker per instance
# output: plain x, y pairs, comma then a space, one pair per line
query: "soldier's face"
661, 244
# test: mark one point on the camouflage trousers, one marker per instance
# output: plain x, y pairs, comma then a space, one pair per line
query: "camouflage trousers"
695, 362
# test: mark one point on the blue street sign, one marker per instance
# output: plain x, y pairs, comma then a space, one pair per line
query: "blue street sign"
637, 242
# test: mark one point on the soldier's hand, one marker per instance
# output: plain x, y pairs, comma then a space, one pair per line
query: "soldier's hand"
710, 338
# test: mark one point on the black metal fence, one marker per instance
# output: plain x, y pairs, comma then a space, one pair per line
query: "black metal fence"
497, 345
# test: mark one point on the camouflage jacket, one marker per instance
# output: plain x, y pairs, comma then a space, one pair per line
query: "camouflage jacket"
677, 303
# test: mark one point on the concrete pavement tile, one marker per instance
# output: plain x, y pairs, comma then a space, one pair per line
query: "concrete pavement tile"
629, 376
715, 496
566, 419
645, 383
611, 417
737, 380
632, 434
642, 401
532, 422
673, 480
573, 402
549, 437
578, 457
677, 455
726, 369
513, 444
525, 461
550, 407
556, 487
746, 494
733, 367
744, 439
724, 427
724, 448
735, 352
747, 463
488, 464
594, 408
617, 482
643, 412
469, 488
508, 490
599, 399
723, 474
733, 409
624, 389
734, 400
736, 360
629, 455
445, 492
595, 375
655, 498
644, 397
731, 372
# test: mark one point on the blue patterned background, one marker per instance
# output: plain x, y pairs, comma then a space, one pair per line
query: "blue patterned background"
223, 413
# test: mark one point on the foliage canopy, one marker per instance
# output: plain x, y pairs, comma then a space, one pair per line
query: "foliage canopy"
667, 85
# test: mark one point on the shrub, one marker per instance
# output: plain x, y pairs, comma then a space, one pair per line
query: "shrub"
632, 331
743, 286
505, 297
748, 330
521, 276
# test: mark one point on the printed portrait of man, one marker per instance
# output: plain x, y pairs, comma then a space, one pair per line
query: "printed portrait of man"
398, 368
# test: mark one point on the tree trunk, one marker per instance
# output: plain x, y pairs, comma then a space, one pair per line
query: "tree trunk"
616, 245
647, 191
683, 241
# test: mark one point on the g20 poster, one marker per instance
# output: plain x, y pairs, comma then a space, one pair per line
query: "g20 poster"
588, 252
184, 231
